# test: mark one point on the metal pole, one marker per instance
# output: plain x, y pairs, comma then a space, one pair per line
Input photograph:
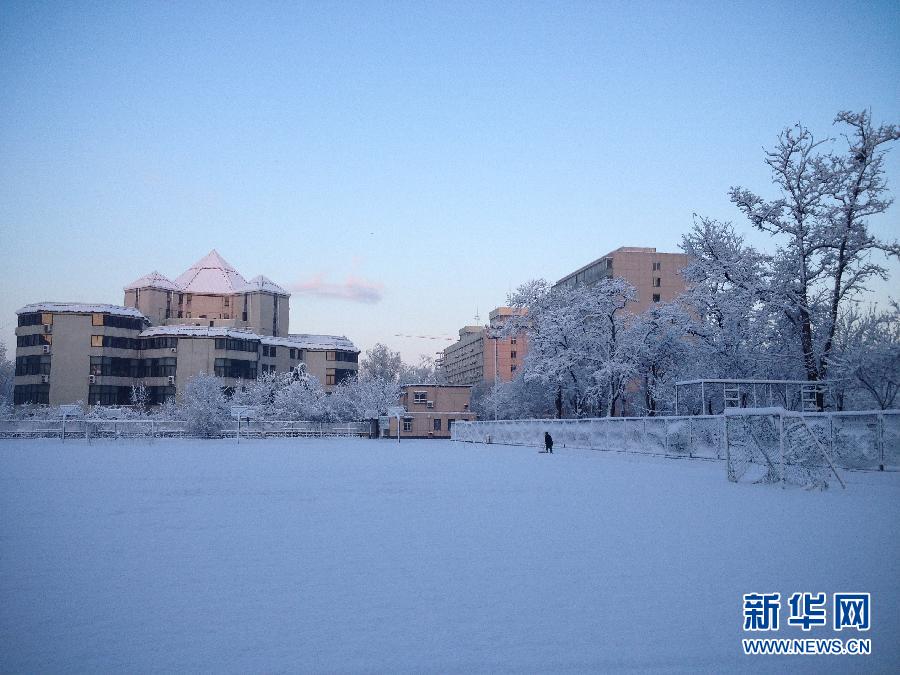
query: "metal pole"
702, 398
880, 427
676, 399
666, 432
781, 445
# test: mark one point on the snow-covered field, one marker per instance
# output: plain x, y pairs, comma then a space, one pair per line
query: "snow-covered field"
358, 555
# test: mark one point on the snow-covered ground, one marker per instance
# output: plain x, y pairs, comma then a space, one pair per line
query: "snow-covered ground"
357, 555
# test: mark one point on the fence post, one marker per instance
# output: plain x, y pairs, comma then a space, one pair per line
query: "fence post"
723, 438
781, 446
64, 429
691, 437
879, 425
666, 432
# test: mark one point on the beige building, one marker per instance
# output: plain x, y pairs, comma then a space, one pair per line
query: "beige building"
480, 356
655, 276
431, 410
208, 320
212, 293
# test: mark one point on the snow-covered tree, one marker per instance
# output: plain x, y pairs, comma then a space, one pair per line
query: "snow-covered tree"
204, 406
301, 397
380, 363
140, 398
425, 372
820, 222
7, 375
577, 345
867, 361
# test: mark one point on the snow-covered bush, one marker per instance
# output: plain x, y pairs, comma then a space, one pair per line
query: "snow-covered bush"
204, 406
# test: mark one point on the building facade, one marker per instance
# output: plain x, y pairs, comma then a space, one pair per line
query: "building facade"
208, 320
656, 276
212, 293
481, 355
431, 410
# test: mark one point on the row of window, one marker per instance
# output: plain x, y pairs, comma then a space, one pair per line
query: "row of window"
115, 321
111, 366
33, 340
32, 365
348, 357
236, 368
31, 393
436, 424
35, 319
238, 345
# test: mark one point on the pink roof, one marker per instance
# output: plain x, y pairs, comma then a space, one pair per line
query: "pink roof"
212, 274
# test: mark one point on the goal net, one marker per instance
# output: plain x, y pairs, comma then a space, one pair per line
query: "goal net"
774, 445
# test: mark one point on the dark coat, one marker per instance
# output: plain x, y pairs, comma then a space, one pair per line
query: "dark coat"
548, 440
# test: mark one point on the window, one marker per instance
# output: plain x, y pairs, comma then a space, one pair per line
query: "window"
236, 368
407, 424
293, 353
512, 354
656, 297
329, 376
330, 356
656, 267
227, 301
512, 368
437, 423
657, 282
32, 365
29, 319
420, 397
34, 340
31, 393
512, 341
96, 340
47, 319
97, 319
450, 424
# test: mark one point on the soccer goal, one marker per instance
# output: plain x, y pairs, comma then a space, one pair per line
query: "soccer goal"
774, 445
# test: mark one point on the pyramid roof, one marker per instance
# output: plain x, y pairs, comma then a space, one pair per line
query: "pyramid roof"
153, 280
211, 274
264, 283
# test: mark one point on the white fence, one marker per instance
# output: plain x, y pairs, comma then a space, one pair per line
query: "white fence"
855, 440
154, 428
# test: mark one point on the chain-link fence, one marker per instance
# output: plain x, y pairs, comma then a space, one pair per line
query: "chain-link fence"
155, 428
854, 440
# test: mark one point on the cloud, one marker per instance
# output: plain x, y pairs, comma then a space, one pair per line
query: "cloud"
354, 289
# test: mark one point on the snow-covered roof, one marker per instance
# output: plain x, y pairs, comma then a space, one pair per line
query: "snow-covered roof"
80, 308
263, 283
312, 342
211, 274
435, 384
154, 280
185, 330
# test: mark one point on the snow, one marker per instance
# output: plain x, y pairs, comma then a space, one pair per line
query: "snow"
188, 330
211, 274
312, 342
153, 280
320, 555
79, 308
263, 283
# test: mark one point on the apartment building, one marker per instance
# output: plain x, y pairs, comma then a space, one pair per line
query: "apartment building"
431, 410
208, 320
481, 355
212, 293
656, 276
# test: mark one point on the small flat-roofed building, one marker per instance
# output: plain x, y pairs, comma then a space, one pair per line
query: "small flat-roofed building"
431, 410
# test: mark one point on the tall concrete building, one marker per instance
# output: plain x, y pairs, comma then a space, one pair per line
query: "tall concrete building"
656, 276
480, 355
208, 320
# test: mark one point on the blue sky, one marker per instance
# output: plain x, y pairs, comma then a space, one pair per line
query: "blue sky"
432, 155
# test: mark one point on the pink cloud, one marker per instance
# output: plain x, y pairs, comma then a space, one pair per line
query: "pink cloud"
354, 289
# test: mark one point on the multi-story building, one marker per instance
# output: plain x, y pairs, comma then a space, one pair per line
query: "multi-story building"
431, 410
481, 355
212, 293
96, 353
655, 276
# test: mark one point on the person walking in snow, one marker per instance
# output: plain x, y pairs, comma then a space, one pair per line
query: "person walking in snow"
548, 442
